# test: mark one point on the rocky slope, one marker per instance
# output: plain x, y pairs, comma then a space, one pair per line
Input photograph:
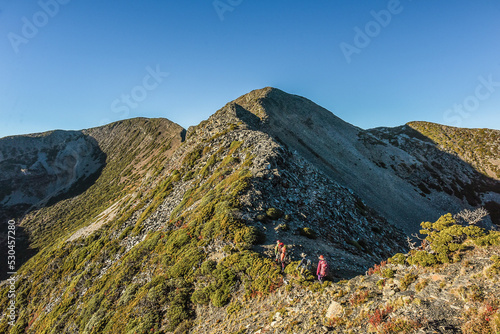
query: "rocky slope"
179, 225
53, 161
400, 172
458, 296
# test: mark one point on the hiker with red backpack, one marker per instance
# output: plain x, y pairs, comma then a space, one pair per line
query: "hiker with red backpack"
283, 257
277, 250
322, 270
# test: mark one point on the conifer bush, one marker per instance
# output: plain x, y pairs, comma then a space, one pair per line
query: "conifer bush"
274, 213
398, 258
445, 239
307, 232
207, 267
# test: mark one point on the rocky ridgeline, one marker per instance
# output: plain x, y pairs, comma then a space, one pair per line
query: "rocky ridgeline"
316, 215
177, 232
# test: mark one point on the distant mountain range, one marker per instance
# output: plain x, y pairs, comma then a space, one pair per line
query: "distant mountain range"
137, 226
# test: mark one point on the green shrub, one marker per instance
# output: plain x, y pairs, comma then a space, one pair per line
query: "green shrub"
274, 213
208, 267
388, 273
307, 232
249, 235
128, 294
191, 158
220, 297
421, 285
263, 275
422, 258
490, 239
186, 262
179, 309
282, 227
445, 238
184, 327
234, 307
189, 175
494, 269
475, 293
399, 258
407, 280
157, 292
201, 296
261, 217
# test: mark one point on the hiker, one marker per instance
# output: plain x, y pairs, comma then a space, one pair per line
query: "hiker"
322, 270
277, 250
304, 264
283, 257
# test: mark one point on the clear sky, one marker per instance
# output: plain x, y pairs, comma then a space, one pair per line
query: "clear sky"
75, 64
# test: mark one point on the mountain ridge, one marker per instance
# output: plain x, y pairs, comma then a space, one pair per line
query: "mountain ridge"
183, 222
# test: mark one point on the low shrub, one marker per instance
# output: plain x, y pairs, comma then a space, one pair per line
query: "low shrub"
399, 258
201, 296
407, 280
359, 297
274, 214
307, 232
421, 285
422, 258
388, 273
484, 319
494, 269
207, 267
234, 307
379, 316
377, 268
282, 228
249, 235
491, 239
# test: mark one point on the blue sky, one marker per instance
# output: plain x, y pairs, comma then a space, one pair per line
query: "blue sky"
75, 64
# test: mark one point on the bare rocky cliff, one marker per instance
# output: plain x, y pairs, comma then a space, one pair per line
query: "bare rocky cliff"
35, 168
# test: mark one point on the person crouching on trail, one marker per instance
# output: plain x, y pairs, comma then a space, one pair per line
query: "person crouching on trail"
277, 250
322, 270
304, 264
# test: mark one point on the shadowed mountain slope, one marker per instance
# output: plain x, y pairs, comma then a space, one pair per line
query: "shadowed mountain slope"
400, 172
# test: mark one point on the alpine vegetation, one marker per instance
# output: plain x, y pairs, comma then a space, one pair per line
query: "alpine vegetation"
273, 215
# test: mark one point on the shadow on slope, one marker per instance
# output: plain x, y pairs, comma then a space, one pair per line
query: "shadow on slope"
399, 172
44, 179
